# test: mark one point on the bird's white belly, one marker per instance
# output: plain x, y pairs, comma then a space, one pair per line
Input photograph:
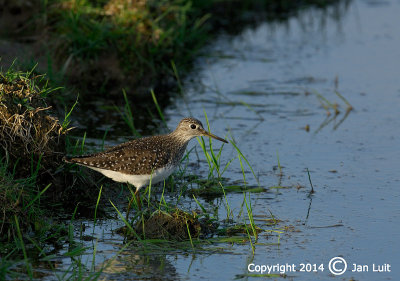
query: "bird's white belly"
138, 180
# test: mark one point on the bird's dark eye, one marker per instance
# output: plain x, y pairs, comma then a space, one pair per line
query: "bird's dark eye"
193, 126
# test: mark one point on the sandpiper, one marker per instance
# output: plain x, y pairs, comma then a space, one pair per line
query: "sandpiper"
140, 161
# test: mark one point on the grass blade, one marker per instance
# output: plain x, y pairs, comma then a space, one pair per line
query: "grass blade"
37, 197
153, 95
27, 264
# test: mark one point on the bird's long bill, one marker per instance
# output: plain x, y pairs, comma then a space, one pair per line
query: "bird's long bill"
208, 134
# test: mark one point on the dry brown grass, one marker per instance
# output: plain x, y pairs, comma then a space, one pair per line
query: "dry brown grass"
27, 129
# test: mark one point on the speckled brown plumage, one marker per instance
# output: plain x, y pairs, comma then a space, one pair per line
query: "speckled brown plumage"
138, 161
137, 157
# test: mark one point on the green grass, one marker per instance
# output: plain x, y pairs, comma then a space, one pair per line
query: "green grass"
153, 95
67, 115
100, 46
219, 187
216, 185
19, 198
22, 246
127, 115
36, 83
142, 37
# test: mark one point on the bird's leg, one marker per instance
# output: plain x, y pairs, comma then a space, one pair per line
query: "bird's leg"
137, 198
129, 208
138, 202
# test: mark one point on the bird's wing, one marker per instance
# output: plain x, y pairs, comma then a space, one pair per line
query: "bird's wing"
134, 157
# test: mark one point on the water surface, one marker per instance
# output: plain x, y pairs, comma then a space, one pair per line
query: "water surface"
262, 88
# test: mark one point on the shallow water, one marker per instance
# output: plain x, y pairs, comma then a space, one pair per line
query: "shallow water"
259, 89
354, 165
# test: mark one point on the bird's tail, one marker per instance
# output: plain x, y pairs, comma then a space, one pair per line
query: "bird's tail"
76, 159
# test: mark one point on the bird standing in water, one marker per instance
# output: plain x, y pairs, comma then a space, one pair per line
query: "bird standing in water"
146, 159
